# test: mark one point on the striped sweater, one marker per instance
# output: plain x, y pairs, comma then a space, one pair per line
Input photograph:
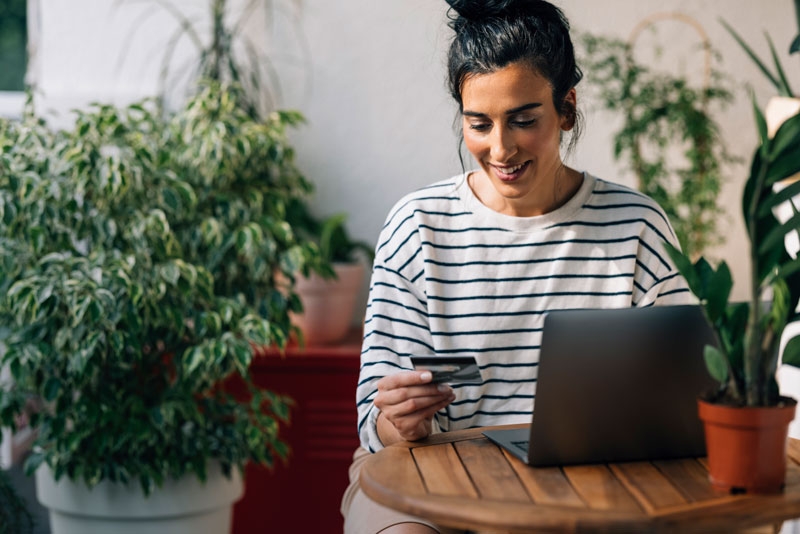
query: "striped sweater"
452, 276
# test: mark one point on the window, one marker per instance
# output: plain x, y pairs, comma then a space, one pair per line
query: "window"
13, 55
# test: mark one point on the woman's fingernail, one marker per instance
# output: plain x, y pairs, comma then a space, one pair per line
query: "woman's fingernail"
425, 376
444, 388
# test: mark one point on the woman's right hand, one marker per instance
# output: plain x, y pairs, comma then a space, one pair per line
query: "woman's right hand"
407, 402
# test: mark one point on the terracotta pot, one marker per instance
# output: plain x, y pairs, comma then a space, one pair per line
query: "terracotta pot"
328, 305
747, 446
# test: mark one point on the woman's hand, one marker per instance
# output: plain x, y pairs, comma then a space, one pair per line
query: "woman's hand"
407, 402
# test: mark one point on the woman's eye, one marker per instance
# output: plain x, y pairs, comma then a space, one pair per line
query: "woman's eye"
525, 123
479, 127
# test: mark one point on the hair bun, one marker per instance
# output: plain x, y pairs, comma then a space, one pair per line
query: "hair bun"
481, 9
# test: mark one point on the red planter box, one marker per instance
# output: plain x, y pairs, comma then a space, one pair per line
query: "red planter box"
303, 496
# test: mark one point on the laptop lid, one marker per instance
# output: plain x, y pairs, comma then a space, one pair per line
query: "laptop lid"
619, 385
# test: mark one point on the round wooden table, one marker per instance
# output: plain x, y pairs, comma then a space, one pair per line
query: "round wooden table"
462, 480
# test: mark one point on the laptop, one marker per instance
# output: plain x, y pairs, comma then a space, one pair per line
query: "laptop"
616, 385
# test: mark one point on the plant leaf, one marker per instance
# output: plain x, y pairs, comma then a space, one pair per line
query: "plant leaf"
791, 352
716, 363
752, 55
685, 267
718, 291
795, 47
784, 89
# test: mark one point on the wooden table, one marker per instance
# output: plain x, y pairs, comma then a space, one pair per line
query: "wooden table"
462, 480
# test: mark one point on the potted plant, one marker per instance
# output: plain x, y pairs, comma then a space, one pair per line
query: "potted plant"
138, 254
747, 420
328, 285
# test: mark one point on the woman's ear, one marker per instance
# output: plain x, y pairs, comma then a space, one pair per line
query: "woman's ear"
569, 110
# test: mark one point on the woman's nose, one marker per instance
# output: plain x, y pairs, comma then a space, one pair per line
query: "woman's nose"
502, 145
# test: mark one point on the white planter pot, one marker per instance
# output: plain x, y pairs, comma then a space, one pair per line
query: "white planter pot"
186, 506
328, 305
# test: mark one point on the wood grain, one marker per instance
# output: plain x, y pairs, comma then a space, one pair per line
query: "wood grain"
600, 489
442, 471
648, 485
470, 483
490, 471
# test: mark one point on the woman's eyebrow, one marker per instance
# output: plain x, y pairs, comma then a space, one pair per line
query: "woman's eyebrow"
524, 107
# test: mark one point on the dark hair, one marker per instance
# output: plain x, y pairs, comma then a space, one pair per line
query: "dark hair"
492, 34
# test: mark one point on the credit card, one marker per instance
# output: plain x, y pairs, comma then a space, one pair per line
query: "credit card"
450, 369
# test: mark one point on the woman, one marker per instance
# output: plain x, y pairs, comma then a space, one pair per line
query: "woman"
472, 264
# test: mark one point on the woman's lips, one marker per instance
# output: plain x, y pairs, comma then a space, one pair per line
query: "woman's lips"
510, 173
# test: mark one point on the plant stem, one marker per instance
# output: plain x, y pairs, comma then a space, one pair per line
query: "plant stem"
752, 383
218, 30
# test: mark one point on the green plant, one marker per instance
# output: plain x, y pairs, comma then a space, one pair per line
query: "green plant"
661, 114
747, 354
138, 256
749, 333
777, 78
331, 236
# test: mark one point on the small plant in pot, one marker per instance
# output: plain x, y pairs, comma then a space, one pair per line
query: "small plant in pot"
329, 283
750, 335
746, 419
137, 262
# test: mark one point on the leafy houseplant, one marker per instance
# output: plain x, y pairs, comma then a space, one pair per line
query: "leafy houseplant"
329, 284
331, 237
137, 261
749, 334
662, 112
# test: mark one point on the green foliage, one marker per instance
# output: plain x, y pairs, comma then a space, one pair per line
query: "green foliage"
749, 334
777, 77
331, 237
662, 113
138, 256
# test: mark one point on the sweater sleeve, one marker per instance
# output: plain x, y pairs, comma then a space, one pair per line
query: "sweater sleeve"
668, 287
396, 323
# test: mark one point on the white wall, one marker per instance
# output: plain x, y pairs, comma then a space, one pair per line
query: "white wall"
372, 85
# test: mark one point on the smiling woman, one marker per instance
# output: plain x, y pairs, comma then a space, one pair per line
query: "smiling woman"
513, 130
470, 265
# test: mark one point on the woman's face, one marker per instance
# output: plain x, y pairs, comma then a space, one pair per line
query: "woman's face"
513, 131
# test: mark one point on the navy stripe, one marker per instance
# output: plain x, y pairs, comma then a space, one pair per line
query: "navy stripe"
530, 245
401, 290
399, 247
462, 230
402, 338
413, 213
529, 278
410, 259
487, 332
491, 414
423, 327
533, 295
674, 291
483, 397
611, 223
616, 206
387, 301
528, 262
647, 270
656, 254
490, 349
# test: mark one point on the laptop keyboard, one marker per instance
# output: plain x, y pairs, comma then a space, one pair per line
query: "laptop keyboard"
521, 444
